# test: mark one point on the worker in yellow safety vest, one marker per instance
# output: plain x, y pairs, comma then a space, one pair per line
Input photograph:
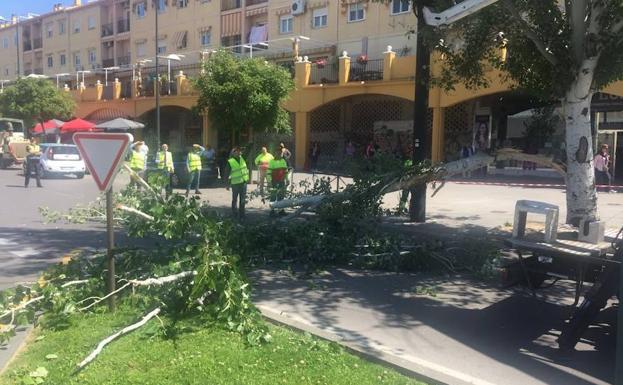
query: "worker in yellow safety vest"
164, 162
32, 162
193, 166
137, 159
261, 161
277, 174
238, 178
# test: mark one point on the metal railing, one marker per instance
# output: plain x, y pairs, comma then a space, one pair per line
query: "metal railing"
123, 60
123, 25
324, 74
108, 63
37, 43
108, 29
226, 5
255, 2
368, 70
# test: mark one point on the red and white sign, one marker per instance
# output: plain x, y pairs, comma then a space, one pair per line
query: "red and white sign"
103, 154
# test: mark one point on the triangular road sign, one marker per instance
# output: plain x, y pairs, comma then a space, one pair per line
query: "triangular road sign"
103, 154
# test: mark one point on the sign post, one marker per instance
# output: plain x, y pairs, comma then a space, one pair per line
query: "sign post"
103, 154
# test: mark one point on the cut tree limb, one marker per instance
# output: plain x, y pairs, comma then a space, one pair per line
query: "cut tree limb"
135, 211
141, 181
111, 338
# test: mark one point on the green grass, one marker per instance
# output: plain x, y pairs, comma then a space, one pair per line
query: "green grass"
199, 354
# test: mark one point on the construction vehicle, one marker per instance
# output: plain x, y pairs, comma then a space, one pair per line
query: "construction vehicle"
13, 143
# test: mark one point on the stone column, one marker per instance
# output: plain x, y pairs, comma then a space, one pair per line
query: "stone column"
181, 83
388, 60
301, 139
99, 90
116, 89
438, 134
344, 68
302, 73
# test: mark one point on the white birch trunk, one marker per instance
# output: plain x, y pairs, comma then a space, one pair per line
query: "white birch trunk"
581, 193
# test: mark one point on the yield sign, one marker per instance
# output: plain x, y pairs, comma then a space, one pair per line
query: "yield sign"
103, 154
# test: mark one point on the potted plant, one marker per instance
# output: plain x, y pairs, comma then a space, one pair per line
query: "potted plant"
362, 59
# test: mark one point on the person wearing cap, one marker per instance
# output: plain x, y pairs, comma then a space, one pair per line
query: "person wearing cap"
164, 163
238, 178
601, 163
32, 162
193, 165
138, 158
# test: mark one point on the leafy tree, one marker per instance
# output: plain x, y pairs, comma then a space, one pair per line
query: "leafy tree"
244, 94
36, 100
558, 50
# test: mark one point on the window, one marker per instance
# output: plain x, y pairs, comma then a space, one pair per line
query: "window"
400, 6
49, 30
76, 26
162, 46
140, 10
92, 56
356, 12
50, 62
63, 59
91, 22
319, 17
285, 24
182, 3
141, 49
61, 27
206, 37
162, 6
5, 42
77, 61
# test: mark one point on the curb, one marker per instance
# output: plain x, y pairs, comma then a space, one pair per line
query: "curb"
14, 350
411, 366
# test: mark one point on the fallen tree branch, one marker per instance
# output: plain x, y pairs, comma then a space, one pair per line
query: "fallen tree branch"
111, 338
141, 181
135, 211
513, 154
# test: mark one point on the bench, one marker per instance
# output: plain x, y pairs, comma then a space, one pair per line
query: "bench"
523, 207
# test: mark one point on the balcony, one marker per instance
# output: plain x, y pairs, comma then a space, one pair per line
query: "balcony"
108, 29
123, 60
255, 2
37, 43
27, 46
366, 70
226, 5
106, 63
324, 73
123, 25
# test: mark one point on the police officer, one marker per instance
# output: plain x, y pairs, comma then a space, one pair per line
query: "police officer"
164, 161
238, 178
32, 162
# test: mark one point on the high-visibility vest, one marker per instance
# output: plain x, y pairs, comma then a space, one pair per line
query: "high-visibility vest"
33, 149
408, 163
137, 161
262, 160
277, 170
169, 164
194, 161
239, 171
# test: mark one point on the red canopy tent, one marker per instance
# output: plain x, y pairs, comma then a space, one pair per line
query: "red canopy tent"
77, 125
49, 127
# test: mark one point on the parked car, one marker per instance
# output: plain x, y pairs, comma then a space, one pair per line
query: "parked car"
209, 171
61, 159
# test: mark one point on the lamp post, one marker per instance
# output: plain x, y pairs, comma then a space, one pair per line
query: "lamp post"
78, 78
58, 76
2, 85
106, 73
157, 80
174, 57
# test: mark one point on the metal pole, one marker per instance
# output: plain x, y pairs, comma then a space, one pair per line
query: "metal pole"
106, 77
17, 46
614, 155
618, 370
111, 245
157, 84
169, 75
421, 147
77, 79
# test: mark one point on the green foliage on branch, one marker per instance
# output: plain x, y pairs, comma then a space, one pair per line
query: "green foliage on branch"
244, 94
36, 100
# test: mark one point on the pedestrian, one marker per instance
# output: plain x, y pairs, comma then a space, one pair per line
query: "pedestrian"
262, 161
238, 178
137, 159
370, 149
164, 162
210, 153
277, 174
466, 152
314, 153
193, 166
285, 153
350, 150
33, 152
404, 195
601, 163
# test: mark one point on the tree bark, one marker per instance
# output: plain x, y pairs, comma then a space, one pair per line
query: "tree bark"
581, 193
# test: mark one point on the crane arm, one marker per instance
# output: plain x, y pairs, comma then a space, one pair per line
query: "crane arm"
455, 13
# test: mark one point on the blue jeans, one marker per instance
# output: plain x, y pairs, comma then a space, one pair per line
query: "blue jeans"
191, 177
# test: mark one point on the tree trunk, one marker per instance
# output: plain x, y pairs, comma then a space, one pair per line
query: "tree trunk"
581, 193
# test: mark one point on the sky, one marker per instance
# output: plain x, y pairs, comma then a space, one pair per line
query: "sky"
22, 7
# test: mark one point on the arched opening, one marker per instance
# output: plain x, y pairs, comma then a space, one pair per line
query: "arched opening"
106, 114
358, 119
180, 128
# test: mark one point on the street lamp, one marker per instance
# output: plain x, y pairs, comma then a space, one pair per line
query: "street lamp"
139, 63
250, 47
106, 73
2, 85
58, 76
78, 78
174, 57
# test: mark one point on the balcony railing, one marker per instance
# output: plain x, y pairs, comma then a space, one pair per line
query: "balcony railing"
37, 43
226, 5
123, 25
108, 29
324, 74
368, 70
27, 46
106, 63
123, 60
255, 2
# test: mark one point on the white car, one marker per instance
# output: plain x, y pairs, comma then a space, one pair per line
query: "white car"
61, 159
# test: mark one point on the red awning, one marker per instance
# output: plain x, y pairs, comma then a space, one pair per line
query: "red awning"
77, 125
49, 127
